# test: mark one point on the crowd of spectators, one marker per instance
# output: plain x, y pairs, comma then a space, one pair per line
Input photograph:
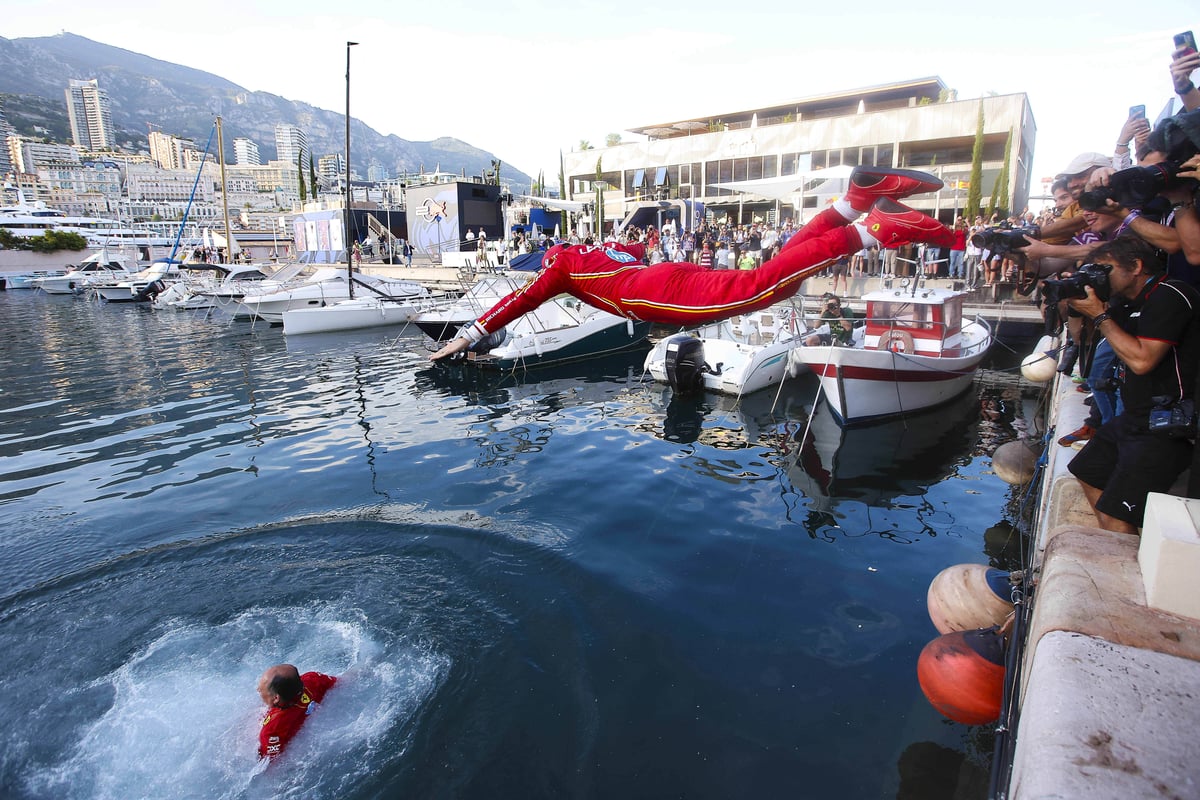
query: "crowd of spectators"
1118, 261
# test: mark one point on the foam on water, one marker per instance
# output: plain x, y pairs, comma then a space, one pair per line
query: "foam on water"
184, 714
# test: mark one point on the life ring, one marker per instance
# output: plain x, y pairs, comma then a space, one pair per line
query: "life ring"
898, 342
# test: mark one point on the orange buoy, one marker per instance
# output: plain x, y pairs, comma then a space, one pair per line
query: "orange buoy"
968, 596
962, 675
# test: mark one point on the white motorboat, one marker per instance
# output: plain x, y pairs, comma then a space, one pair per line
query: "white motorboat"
738, 356
328, 286
101, 266
140, 287
210, 285
28, 280
354, 314
914, 351
557, 332
443, 318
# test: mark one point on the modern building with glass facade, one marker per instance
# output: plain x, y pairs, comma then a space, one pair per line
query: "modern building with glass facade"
916, 124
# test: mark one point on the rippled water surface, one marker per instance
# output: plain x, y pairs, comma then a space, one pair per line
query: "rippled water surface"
563, 584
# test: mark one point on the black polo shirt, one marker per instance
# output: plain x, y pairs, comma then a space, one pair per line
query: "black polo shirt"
1167, 311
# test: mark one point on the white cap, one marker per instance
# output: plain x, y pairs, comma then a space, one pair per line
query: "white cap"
1085, 161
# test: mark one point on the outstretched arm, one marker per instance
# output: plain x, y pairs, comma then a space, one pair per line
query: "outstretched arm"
452, 348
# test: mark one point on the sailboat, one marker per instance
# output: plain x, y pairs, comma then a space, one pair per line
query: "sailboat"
381, 305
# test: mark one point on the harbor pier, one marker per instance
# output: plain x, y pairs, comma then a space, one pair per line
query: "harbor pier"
1110, 674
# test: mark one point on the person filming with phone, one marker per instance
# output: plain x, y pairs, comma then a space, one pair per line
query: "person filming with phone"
1184, 62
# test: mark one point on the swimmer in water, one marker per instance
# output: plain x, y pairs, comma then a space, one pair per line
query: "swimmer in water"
291, 697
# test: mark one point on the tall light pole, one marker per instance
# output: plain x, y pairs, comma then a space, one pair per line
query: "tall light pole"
349, 242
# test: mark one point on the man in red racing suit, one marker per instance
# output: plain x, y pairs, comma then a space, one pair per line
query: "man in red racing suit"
291, 697
612, 277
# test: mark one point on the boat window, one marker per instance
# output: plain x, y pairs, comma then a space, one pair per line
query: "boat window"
660, 177
639, 178
915, 316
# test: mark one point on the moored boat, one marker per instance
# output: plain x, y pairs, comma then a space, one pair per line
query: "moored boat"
557, 332
915, 351
353, 314
100, 266
328, 286
737, 356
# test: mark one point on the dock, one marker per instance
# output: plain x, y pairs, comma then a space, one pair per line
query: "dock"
1110, 673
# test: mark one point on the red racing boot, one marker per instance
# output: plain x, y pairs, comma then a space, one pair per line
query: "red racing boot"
894, 224
868, 184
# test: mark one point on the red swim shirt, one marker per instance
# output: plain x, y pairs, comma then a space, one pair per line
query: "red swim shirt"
281, 724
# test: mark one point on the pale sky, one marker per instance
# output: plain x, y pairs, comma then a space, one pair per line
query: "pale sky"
529, 78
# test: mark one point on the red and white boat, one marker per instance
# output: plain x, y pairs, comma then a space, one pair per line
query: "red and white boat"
915, 350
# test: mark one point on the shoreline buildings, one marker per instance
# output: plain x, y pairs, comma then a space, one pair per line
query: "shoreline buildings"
763, 163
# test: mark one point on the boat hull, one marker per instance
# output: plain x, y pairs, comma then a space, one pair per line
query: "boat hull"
736, 368
348, 315
599, 335
863, 385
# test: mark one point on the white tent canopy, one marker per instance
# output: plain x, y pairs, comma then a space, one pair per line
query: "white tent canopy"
781, 187
574, 206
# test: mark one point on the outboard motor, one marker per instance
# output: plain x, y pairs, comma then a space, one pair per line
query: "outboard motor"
150, 291
685, 363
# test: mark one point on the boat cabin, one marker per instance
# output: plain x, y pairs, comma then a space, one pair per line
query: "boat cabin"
925, 322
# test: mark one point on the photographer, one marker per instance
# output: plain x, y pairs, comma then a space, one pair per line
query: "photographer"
1159, 345
841, 327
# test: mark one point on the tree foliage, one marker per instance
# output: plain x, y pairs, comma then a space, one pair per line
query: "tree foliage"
48, 242
1000, 198
300, 176
312, 176
612, 140
562, 177
975, 190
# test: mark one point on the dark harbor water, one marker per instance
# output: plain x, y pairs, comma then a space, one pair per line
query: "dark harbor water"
555, 585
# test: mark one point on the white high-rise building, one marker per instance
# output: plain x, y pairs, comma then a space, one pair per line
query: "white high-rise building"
6, 130
331, 167
90, 115
245, 152
291, 144
169, 152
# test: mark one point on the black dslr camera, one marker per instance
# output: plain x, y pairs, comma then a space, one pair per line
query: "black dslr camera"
1134, 187
1004, 239
1173, 417
1093, 275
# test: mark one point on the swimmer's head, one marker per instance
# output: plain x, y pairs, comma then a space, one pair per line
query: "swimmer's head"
280, 685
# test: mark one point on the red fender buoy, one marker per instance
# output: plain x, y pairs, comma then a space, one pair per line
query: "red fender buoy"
968, 596
962, 675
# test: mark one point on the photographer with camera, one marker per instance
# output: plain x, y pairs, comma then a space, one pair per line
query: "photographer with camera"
1146, 447
839, 320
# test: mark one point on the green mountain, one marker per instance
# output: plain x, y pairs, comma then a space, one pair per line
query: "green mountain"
183, 101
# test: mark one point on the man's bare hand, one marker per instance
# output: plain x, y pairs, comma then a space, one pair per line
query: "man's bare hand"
456, 346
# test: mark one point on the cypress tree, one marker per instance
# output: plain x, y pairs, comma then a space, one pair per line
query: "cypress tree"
562, 177
300, 175
312, 175
975, 190
1000, 197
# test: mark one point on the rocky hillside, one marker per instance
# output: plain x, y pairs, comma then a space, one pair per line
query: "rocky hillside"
183, 102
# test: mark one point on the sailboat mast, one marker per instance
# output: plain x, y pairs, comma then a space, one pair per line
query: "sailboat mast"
348, 240
224, 193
